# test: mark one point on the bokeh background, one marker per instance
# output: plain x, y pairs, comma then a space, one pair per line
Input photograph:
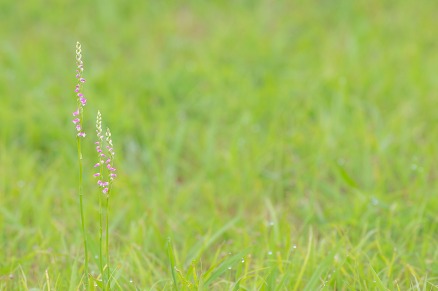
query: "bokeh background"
304, 115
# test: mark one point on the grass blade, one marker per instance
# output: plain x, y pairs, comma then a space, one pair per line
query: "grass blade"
303, 268
171, 256
223, 267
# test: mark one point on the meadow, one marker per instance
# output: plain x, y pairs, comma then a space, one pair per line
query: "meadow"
260, 145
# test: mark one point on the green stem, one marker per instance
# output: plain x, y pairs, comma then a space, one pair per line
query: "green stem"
107, 240
100, 239
81, 194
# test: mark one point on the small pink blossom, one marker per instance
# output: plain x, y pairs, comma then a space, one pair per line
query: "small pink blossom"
105, 153
80, 97
96, 175
102, 184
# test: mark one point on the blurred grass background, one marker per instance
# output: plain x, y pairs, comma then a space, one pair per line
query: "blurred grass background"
295, 117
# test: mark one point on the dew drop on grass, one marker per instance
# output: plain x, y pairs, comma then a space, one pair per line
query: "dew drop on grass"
270, 253
243, 260
229, 268
130, 281
294, 246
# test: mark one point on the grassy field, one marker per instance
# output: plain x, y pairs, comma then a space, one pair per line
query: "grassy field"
261, 145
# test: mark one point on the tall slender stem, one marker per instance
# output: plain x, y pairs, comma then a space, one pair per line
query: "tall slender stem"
100, 239
81, 204
107, 240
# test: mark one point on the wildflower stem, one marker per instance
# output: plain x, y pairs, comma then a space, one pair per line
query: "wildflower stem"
100, 240
107, 240
81, 204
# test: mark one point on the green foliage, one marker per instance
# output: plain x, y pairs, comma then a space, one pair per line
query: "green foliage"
301, 133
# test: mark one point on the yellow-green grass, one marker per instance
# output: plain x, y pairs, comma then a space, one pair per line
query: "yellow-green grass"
261, 145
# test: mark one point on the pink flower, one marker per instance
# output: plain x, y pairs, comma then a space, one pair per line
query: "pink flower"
104, 152
80, 97
96, 175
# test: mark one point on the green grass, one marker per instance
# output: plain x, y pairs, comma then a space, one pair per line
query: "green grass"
262, 145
